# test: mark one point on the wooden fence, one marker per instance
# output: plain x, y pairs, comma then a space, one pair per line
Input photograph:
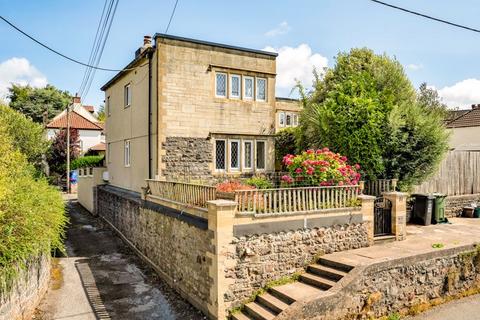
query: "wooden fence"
188, 193
377, 187
458, 174
296, 200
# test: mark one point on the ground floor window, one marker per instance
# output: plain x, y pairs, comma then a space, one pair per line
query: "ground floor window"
127, 153
234, 155
247, 155
240, 155
220, 155
261, 155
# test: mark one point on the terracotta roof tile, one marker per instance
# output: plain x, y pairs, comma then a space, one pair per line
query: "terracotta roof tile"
469, 119
76, 122
98, 147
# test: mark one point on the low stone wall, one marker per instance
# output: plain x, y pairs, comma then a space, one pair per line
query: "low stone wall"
405, 285
88, 179
454, 204
20, 301
259, 259
174, 243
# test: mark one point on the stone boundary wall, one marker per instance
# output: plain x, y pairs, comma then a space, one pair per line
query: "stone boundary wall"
405, 285
27, 290
260, 258
455, 204
174, 244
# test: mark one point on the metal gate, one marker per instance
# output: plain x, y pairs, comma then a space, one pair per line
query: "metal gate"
382, 217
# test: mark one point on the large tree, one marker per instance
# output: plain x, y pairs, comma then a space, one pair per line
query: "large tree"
366, 108
38, 104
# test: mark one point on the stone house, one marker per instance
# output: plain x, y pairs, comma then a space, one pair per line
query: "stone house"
82, 118
186, 108
465, 130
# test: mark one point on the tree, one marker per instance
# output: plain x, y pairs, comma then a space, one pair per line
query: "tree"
57, 157
101, 113
27, 137
37, 103
366, 108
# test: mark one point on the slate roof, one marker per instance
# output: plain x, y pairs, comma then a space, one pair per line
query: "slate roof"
76, 122
468, 119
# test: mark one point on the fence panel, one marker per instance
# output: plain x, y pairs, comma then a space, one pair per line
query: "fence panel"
187, 193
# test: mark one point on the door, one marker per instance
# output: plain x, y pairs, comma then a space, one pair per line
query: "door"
382, 217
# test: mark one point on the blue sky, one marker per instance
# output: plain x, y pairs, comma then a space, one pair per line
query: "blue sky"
306, 33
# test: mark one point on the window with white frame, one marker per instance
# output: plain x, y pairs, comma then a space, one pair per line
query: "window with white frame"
247, 155
234, 155
295, 120
261, 89
220, 155
260, 155
107, 106
281, 119
221, 84
80, 145
127, 153
127, 95
235, 86
288, 120
248, 88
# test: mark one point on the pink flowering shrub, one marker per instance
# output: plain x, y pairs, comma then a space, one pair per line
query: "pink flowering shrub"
320, 167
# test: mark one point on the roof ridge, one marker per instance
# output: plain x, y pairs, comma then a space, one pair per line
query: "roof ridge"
78, 114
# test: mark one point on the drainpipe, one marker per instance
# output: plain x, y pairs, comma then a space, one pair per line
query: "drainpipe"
149, 55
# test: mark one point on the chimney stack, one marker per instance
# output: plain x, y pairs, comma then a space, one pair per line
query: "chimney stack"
76, 99
475, 106
147, 42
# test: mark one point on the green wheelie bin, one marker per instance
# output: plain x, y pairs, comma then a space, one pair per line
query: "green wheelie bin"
439, 209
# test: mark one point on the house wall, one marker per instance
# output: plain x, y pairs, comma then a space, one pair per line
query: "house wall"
465, 139
189, 108
89, 138
130, 123
286, 105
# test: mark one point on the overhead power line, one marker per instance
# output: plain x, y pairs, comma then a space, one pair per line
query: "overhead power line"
426, 16
171, 17
59, 53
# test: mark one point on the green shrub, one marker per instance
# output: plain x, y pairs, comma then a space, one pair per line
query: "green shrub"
87, 161
32, 217
285, 142
259, 183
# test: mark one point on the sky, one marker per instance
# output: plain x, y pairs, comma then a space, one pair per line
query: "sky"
305, 33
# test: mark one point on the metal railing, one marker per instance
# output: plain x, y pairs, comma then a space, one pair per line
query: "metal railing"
296, 200
187, 193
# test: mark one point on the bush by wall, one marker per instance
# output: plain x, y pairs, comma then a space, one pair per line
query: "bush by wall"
87, 161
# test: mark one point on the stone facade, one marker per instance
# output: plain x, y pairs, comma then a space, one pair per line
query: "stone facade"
259, 259
187, 158
454, 204
176, 249
20, 301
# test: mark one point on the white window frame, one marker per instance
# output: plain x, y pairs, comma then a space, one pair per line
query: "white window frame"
224, 155
264, 155
244, 153
256, 89
107, 106
295, 120
288, 115
226, 84
127, 151
239, 77
245, 97
281, 119
239, 155
109, 152
127, 95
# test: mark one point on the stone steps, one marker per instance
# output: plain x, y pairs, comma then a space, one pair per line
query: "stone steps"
318, 278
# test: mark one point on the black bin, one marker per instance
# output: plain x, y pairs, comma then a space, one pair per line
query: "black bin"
423, 209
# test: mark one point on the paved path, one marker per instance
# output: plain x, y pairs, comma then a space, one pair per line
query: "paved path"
103, 279
464, 309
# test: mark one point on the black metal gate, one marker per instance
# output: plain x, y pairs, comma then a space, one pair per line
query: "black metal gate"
382, 217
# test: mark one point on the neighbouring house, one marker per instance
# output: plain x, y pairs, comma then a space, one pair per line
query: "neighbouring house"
465, 130
82, 118
190, 108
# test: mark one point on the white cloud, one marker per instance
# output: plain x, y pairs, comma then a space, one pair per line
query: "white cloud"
19, 71
414, 67
461, 94
282, 28
296, 64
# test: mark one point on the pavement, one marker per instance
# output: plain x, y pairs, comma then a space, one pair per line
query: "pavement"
101, 278
464, 309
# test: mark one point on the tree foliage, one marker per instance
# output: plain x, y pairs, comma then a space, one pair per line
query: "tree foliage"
27, 137
366, 108
57, 157
285, 142
35, 103
101, 113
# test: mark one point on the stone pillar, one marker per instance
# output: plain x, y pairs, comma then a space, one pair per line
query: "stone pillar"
368, 215
221, 214
399, 213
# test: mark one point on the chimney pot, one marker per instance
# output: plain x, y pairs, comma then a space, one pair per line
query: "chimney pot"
147, 41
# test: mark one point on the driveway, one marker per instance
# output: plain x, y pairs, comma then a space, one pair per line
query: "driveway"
103, 279
463, 309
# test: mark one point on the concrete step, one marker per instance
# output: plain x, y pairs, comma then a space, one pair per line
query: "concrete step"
327, 272
289, 293
240, 316
272, 302
334, 265
259, 312
384, 239
317, 281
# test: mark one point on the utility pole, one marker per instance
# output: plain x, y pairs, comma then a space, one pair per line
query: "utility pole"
68, 148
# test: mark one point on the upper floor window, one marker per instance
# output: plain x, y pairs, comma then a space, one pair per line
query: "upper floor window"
127, 153
107, 106
261, 89
127, 95
235, 85
248, 88
221, 84
281, 119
